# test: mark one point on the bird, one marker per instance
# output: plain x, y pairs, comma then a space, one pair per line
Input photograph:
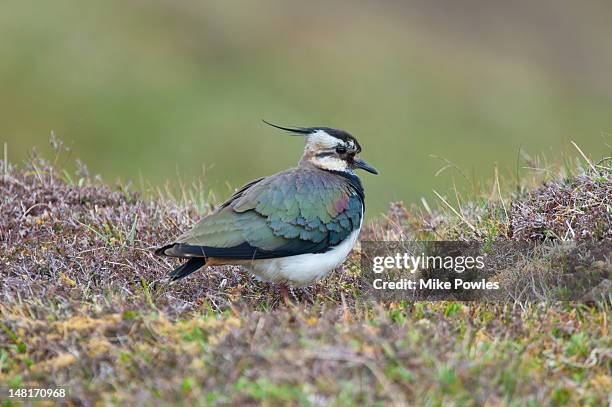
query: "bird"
293, 227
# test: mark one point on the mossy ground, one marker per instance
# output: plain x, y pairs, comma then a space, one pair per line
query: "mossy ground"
85, 305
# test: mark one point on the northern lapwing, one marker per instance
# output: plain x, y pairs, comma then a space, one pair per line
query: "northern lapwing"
293, 227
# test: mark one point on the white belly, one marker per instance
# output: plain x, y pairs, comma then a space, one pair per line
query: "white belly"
303, 269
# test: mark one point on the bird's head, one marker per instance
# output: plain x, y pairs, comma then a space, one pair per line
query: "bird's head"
329, 149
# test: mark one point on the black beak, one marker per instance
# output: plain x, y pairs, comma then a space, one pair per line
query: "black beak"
359, 163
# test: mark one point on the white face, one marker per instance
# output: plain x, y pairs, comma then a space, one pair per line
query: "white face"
328, 152
321, 140
331, 163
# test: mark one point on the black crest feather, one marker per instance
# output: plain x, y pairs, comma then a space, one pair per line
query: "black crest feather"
295, 130
304, 131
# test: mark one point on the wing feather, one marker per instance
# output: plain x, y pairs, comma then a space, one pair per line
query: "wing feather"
293, 212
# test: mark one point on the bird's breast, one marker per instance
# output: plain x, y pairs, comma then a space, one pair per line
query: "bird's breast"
303, 269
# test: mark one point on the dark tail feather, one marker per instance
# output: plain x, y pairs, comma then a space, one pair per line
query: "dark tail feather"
187, 268
161, 251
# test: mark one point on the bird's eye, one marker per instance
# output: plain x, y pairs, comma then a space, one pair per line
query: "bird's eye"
340, 149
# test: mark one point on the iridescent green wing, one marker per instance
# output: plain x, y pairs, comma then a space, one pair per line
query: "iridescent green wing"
311, 205
293, 212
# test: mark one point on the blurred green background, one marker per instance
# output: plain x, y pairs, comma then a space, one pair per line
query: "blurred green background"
163, 87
